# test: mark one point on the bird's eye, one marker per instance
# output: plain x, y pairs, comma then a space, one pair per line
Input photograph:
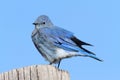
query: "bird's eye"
43, 22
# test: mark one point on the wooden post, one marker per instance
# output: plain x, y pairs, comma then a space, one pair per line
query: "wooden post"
36, 72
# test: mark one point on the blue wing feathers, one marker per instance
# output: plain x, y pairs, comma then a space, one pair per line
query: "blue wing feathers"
64, 39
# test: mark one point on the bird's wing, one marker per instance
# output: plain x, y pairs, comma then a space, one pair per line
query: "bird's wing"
64, 39
80, 43
59, 38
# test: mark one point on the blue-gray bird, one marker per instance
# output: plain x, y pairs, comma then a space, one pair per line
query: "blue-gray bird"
55, 43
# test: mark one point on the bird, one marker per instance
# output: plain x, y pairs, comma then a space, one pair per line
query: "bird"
55, 43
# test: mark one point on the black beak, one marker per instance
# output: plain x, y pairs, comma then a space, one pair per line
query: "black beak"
35, 23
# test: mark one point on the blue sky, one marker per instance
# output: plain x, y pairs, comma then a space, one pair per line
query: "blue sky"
93, 21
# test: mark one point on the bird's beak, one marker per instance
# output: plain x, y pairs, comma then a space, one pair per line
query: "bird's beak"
34, 23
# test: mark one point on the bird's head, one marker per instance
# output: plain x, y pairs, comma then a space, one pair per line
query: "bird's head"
42, 21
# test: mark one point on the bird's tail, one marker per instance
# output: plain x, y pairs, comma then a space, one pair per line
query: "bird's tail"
91, 56
94, 57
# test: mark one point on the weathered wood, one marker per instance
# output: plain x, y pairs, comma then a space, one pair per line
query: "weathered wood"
36, 72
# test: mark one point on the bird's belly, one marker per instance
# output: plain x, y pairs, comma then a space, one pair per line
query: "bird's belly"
61, 53
49, 51
54, 54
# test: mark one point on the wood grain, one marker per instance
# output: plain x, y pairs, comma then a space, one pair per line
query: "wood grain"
36, 72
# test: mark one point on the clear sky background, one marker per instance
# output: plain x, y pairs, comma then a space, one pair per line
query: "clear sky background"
93, 21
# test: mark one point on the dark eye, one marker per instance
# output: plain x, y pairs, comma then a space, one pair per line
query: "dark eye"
43, 23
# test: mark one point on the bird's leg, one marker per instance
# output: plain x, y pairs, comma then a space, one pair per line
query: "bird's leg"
50, 63
59, 63
55, 61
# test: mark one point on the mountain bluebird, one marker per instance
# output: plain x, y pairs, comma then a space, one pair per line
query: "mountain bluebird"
55, 43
